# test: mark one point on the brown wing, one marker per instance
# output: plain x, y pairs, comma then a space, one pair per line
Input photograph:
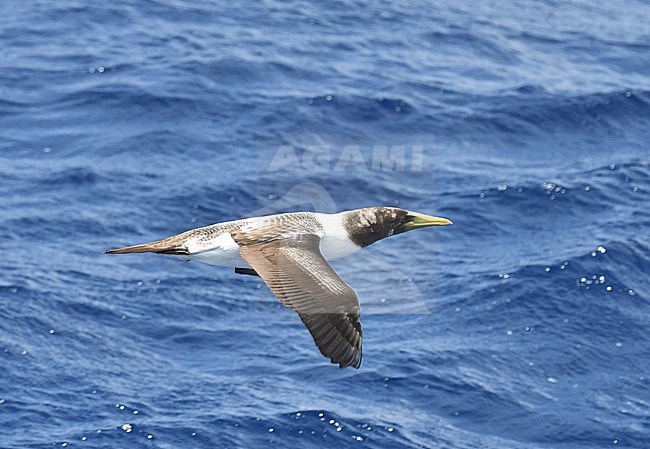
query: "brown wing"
300, 277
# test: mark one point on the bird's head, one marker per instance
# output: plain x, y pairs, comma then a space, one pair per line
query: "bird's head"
368, 225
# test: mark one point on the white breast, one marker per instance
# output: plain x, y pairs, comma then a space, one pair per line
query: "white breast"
335, 242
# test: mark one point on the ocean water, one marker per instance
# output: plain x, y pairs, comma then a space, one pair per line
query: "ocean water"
523, 325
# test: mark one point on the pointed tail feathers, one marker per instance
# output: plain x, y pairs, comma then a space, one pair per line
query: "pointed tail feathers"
165, 246
145, 248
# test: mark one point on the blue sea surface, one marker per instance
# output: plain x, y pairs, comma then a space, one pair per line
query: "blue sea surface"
524, 325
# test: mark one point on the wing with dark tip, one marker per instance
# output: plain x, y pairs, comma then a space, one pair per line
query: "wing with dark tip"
300, 277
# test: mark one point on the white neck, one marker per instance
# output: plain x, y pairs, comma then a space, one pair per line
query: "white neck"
335, 242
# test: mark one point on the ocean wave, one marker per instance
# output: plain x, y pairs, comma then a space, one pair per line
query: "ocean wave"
549, 113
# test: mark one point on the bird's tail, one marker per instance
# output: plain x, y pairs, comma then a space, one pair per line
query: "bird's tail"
171, 245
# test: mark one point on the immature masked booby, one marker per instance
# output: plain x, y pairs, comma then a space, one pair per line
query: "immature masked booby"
290, 253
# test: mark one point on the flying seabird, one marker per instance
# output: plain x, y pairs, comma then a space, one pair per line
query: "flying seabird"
290, 253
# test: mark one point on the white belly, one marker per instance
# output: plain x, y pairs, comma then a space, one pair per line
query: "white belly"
223, 252
227, 255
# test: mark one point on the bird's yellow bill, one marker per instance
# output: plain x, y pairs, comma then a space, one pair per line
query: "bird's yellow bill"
417, 220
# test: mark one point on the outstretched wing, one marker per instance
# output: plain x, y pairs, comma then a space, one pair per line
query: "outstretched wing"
300, 277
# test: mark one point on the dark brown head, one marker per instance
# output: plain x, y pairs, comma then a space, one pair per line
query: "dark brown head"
371, 224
